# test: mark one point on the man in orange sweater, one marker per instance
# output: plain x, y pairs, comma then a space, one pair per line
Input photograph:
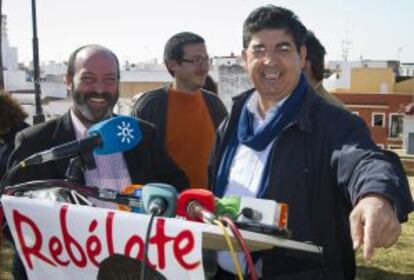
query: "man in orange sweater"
185, 116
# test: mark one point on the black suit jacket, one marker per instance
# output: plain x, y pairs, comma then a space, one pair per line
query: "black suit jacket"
147, 162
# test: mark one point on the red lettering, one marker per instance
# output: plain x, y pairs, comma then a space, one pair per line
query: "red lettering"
160, 239
18, 219
184, 237
132, 241
56, 248
80, 254
108, 229
93, 244
69, 241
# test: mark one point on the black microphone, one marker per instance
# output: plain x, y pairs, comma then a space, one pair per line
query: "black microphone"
65, 150
251, 214
117, 134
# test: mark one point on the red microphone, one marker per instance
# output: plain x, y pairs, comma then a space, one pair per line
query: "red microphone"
196, 205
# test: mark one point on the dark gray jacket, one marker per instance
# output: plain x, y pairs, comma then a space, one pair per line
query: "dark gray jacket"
146, 163
322, 163
152, 106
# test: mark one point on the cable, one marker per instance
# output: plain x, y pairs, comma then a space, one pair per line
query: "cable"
242, 244
231, 249
147, 237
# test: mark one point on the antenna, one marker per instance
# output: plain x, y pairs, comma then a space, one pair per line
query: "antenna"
399, 52
346, 47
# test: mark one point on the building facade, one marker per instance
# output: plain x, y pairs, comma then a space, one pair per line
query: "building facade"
383, 114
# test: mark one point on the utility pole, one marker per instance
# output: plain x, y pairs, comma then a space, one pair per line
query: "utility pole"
38, 117
1, 46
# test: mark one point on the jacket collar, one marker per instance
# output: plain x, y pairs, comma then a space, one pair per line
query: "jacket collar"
303, 118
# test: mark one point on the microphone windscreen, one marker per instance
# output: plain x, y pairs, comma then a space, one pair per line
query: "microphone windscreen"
228, 206
204, 197
118, 134
159, 191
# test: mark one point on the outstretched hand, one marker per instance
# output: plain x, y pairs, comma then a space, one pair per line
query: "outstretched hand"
374, 224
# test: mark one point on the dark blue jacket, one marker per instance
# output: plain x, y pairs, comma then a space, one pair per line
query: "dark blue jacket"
322, 163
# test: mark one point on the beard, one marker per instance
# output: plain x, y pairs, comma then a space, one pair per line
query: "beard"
89, 113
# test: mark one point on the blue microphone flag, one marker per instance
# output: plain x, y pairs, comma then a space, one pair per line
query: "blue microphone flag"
118, 134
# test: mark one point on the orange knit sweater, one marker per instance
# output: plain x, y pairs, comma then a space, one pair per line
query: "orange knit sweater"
190, 134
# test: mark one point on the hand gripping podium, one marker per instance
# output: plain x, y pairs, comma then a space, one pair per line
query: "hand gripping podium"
66, 241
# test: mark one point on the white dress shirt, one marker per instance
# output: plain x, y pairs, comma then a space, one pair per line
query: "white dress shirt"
246, 172
111, 170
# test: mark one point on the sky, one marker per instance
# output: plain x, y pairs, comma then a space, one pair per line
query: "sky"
136, 30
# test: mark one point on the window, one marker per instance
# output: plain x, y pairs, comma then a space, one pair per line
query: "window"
378, 120
381, 146
395, 125
394, 147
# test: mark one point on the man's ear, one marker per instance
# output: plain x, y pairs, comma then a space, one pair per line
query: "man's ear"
244, 58
302, 55
68, 81
171, 64
307, 66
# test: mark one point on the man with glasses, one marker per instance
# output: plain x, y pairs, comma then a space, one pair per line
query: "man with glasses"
285, 143
186, 116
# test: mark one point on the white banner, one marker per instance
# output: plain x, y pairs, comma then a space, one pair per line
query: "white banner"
65, 241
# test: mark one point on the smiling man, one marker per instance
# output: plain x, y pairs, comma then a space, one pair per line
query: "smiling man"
93, 81
285, 143
185, 115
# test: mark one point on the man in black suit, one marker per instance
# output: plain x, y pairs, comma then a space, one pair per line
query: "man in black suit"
93, 80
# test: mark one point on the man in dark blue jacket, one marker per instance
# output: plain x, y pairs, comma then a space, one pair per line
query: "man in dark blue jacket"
283, 142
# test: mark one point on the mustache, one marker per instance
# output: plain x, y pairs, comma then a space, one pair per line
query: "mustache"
106, 95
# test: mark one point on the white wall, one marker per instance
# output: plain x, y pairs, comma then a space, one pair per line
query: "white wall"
15, 80
342, 79
408, 127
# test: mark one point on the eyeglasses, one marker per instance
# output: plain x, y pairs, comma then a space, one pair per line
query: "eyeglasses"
282, 50
198, 60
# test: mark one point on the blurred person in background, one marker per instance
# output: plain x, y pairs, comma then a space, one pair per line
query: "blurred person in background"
314, 69
210, 85
12, 118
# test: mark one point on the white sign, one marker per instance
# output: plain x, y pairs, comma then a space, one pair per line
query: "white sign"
65, 241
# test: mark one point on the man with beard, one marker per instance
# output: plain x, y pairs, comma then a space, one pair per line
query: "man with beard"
93, 80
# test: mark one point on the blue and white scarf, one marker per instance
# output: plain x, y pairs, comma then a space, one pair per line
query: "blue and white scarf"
261, 139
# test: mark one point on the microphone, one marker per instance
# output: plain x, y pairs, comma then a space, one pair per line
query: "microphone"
130, 200
196, 205
159, 199
250, 209
251, 214
228, 206
199, 205
117, 134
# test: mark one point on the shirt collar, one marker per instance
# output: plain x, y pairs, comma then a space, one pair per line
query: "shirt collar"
253, 107
78, 126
